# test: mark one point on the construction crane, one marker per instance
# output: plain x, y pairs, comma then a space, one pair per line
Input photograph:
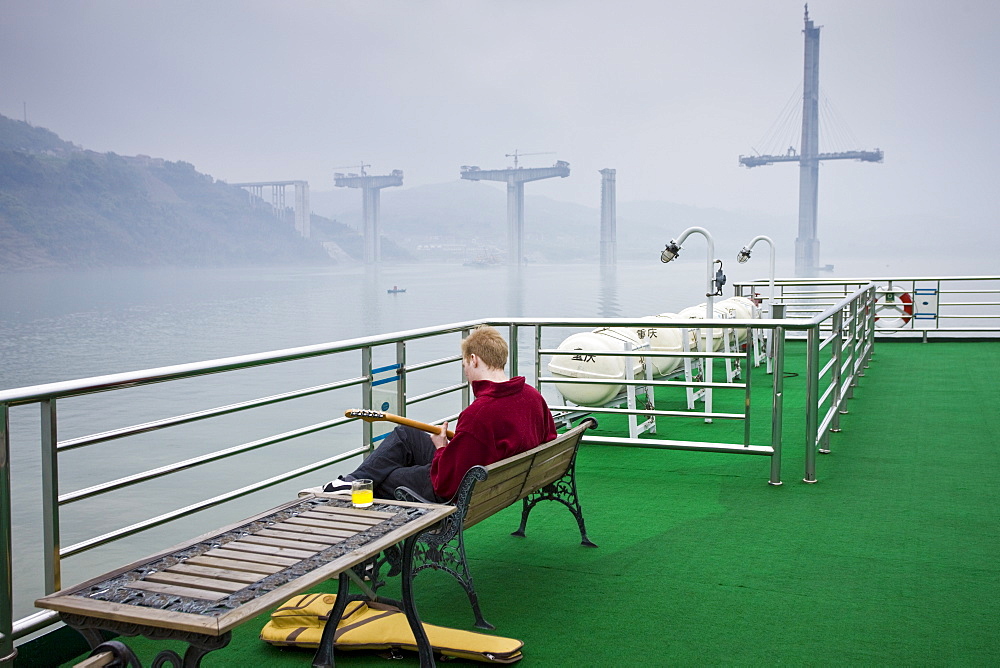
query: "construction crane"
516, 155
361, 167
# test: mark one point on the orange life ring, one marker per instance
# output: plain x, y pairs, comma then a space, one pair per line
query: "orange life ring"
895, 306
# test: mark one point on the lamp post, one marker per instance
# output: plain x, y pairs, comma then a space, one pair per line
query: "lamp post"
742, 257
715, 283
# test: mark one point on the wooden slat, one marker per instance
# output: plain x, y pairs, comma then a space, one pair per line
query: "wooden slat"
209, 572
360, 524
353, 515
510, 488
484, 510
235, 565
291, 532
546, 473
174, 590
319, 521
297, 555
503, 473
319, 525
291, 543
211, 584
252, 556
562, 457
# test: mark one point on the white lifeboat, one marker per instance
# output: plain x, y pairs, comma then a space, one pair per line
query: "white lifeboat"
740, 308
666, 339
718, 330
597, 367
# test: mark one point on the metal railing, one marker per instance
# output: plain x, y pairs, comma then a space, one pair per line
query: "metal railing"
928, 307
839, 339
48, 397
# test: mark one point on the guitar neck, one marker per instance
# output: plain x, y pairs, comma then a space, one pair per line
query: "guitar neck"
423, 426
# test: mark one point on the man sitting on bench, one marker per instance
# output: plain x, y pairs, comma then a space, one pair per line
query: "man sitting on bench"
507, 417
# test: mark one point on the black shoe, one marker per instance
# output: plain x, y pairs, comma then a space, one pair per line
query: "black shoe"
337, 485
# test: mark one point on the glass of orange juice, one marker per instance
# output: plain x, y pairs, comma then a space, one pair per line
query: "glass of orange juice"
362, 493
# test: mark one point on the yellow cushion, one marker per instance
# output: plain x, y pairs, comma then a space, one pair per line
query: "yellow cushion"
376, 626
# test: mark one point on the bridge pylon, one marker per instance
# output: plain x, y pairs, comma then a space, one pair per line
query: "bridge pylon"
515, 180
371, 188
807, 243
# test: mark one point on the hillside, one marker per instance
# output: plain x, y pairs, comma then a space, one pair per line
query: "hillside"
62, 206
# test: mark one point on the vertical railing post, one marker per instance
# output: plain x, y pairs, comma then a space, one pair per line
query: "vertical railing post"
7, 651
50, 497
855, 348
778, 380
812, 401
538, 357
401, 374
747, 377
837, 404
869, 329
512, 349
466, 390
366, 397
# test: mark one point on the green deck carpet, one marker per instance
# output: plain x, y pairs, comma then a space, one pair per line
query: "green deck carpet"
890, 559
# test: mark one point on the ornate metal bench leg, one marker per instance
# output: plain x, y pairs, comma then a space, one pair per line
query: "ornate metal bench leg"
465, 579
563, 491
481, 622
450, 557
525, 509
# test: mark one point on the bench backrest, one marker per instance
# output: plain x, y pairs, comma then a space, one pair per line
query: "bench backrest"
516, 477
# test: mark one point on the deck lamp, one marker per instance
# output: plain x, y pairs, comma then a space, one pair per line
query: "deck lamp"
742, 258
671, 251
744, 255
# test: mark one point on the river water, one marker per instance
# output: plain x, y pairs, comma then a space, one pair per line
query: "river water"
64, 325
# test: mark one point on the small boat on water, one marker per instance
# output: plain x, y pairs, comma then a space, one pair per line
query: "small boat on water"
395, 290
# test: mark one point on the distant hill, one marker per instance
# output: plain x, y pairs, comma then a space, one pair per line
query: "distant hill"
64, 206
61, 205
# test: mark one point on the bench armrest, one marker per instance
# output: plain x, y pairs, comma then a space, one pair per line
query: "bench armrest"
407, 494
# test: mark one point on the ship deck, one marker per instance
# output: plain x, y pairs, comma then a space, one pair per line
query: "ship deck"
890, 559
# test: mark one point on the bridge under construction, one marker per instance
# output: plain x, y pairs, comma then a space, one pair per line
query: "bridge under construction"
515, 179
371, 187
807, 243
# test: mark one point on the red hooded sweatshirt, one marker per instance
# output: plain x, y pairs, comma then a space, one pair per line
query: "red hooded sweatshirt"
505, 419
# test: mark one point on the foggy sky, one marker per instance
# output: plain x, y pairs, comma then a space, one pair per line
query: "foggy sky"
667, 93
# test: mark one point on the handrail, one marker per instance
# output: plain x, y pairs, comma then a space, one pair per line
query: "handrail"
73, 388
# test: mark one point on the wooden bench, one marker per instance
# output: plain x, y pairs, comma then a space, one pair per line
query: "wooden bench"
545, 473
200, 590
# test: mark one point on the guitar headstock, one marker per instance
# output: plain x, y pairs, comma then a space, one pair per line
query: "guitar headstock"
364, 414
